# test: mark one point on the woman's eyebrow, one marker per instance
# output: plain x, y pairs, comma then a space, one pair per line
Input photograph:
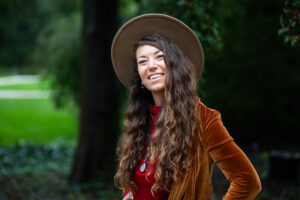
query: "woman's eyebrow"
156, 52
141, 57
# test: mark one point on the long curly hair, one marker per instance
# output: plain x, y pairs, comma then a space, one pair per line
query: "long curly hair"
173, 143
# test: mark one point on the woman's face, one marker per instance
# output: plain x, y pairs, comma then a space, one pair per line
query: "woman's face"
151, 68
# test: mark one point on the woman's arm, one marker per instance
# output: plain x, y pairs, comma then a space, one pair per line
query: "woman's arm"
244, 181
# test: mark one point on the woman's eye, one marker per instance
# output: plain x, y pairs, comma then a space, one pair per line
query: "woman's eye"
141, 62
160, 56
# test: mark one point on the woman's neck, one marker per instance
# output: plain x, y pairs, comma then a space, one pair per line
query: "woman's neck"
158, 98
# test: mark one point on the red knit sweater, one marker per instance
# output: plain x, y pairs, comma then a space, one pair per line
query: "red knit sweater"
143, 191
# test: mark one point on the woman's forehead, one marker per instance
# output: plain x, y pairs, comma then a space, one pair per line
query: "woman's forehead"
145, 50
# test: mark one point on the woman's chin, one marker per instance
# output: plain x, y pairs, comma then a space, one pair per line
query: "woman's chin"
156, 89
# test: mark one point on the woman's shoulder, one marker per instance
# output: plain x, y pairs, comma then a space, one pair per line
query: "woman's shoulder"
213, 131
206, 113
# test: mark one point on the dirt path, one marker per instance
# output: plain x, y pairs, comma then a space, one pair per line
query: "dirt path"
22, 94
19, 79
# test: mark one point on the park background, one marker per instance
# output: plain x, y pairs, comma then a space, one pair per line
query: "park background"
61, 105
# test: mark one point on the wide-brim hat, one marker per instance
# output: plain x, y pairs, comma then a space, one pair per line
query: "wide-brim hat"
140, 26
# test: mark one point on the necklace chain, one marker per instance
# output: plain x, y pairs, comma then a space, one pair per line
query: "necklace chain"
147, 152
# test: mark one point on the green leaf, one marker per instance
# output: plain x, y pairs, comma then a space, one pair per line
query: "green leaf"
286, 39
293, 41
181, 2
293, 23
281, 31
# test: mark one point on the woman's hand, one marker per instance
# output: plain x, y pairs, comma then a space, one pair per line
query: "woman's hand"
128, 196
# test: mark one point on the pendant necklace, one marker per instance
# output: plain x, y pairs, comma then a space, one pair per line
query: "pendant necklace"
143, 166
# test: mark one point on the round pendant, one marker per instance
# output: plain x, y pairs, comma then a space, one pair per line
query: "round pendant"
143, 167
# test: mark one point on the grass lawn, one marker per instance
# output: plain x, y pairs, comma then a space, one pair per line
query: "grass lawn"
36, 120
29, 86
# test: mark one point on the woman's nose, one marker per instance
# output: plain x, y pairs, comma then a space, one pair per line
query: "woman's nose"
152, 64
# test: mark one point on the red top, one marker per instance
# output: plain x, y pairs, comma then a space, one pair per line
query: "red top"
143, 191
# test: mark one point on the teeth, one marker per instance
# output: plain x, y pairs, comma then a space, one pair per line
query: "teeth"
155, 76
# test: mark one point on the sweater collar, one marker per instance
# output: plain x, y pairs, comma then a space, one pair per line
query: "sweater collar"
156, 109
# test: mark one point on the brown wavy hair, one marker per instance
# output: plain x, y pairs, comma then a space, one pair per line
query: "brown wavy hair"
172, 144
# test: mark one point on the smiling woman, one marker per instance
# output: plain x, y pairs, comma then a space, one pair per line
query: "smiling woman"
170, 138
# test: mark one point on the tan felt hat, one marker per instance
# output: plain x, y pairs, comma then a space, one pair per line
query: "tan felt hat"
140, 26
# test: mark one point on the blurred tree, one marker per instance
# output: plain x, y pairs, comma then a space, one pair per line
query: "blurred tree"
21, 22
57, 53
95, 154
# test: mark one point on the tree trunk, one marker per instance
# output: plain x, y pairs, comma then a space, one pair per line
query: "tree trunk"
99, 124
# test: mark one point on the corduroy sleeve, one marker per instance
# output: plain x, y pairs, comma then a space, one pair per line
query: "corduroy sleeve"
244, 181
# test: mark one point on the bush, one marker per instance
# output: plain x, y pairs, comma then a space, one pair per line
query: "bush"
29, 158
33, 171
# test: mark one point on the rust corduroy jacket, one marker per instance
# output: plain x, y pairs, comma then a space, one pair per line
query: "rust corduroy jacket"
216, 145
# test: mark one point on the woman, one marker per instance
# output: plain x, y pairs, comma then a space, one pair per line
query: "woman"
170, 138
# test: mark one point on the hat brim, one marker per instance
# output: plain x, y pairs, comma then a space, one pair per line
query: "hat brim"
138, 27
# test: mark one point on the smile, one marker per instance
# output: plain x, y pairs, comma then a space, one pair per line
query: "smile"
155, 76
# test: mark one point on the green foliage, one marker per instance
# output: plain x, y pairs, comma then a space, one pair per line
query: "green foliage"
57, 8
29, 158
58, 52
254, 78
45, 34
20, 21
290, 22
32, 171
13, 70
199, 15
128, 9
